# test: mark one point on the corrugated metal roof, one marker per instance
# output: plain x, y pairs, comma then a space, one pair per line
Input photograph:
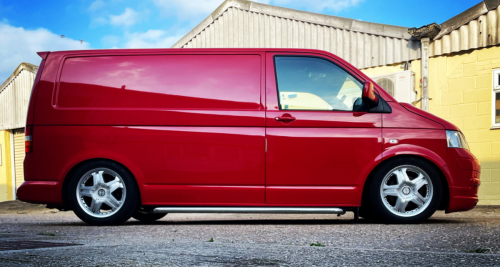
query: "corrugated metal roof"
475, 28
242, 23
15, 94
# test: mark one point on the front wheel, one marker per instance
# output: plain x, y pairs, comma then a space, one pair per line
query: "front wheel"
103, 193
405, 190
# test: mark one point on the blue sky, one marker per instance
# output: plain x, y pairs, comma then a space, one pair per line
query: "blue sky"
28, 26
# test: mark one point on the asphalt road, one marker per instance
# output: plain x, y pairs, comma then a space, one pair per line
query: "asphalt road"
247, 240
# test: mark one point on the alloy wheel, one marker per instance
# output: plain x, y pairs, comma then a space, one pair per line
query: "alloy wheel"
406, 191
101, 192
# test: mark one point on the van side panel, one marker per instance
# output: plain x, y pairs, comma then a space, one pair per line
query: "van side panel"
188, 90
175, 121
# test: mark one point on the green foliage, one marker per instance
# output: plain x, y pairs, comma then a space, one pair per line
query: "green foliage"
49, 234
317, 244
479, 250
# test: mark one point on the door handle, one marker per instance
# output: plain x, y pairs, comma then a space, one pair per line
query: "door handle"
285, 119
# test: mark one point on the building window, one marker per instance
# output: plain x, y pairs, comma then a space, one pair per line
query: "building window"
496, 98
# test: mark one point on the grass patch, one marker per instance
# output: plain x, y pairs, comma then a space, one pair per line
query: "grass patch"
317, 244
479, 250
211, 239
49, 234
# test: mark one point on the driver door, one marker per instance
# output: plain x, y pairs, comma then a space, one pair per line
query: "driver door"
318, 146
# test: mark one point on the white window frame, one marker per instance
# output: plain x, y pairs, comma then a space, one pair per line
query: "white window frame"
496, 89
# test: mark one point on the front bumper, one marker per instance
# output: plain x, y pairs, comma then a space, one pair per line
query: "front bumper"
40, 192
462, 198
465, 172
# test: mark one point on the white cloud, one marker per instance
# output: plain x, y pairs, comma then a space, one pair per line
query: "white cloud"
151, 39
186, 9
98, 4
315, 5
127, 18
20, 45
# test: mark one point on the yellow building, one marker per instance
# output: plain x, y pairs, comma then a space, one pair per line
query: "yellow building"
14, 98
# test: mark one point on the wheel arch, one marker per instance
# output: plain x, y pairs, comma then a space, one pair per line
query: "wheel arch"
72, 171
444, 180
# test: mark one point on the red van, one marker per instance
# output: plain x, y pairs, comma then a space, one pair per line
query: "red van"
114, 134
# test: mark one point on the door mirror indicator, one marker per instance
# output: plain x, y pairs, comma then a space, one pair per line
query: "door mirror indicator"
369, 96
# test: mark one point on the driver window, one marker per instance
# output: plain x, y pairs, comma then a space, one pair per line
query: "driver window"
307, 83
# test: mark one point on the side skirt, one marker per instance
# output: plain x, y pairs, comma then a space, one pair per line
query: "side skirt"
249, 210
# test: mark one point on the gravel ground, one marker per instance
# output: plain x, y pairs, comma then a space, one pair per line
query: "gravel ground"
249, 240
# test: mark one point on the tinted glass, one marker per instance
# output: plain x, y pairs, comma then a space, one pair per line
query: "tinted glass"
306, 83
162, 81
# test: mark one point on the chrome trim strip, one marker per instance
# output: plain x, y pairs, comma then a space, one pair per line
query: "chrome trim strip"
280, 210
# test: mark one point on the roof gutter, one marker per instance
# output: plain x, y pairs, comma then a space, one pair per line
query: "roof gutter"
433, 31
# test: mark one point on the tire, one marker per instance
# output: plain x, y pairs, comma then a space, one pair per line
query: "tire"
147, 217
364, 212
404, 190
103, 193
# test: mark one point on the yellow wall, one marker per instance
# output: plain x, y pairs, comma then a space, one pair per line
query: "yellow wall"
461, 92
460, 88
6, 192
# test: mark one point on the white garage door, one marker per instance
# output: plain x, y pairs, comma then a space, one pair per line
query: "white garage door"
19, 155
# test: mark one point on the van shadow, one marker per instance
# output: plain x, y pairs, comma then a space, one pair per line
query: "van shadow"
347, 221
286, 222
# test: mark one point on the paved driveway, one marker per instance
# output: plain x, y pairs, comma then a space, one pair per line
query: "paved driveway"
47, 237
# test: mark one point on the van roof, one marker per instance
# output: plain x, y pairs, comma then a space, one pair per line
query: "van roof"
183, 50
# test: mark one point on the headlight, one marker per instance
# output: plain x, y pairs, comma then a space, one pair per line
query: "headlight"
456, 139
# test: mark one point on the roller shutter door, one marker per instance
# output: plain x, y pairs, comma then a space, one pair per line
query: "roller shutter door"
19, 155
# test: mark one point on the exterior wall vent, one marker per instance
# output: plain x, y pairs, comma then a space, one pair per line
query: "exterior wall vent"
400, 85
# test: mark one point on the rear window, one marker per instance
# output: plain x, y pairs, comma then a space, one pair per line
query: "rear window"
166, 81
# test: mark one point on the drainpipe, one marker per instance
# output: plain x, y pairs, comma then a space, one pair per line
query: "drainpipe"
425, 34
425, 72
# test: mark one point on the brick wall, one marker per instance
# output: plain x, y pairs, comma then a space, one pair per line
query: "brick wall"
461, 92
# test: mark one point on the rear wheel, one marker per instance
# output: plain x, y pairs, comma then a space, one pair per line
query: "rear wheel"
103, 193
405, 190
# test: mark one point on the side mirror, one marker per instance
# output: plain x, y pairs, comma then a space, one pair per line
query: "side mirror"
369, 96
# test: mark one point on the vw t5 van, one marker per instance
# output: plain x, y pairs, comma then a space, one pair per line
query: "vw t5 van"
115, 134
